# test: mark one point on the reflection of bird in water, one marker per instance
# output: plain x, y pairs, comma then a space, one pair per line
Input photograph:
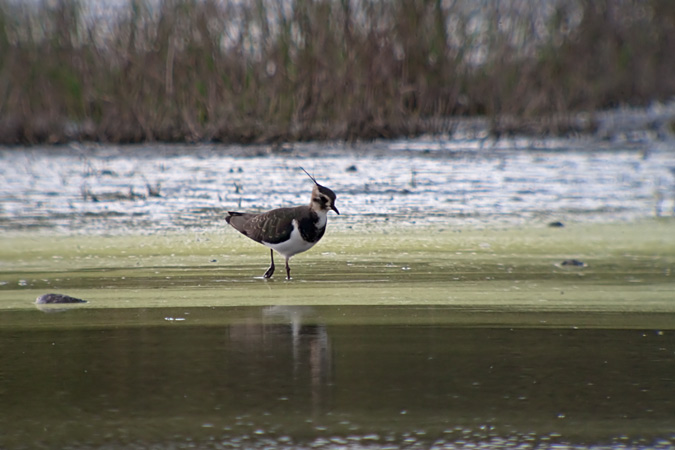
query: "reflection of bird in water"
280, 332
294, 315
307, 337
291, 313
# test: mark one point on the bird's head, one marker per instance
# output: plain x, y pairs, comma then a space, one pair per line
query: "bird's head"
323, 198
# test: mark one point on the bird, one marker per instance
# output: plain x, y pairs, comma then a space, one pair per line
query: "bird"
288, 231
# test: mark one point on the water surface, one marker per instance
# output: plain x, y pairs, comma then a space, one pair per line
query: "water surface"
471, 182
325, 377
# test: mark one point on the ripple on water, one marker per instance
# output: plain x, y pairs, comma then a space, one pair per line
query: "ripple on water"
113, 190
472, 440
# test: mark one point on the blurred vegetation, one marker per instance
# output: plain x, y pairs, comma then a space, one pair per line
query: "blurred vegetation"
267, 71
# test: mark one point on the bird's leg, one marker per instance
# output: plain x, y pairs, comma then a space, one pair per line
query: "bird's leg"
288, 270
270, 271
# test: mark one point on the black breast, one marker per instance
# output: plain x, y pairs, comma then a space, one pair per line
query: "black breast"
308, 228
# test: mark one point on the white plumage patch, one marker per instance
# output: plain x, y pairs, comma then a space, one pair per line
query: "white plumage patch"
296, 244
323, 218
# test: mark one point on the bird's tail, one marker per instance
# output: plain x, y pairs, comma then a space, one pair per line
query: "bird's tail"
231, 214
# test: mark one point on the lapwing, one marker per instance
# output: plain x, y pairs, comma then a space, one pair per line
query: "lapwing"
288, 231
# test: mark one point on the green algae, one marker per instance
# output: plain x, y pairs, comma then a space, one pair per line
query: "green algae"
628, 267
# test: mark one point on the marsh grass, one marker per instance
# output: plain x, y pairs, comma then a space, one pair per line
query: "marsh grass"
264, 71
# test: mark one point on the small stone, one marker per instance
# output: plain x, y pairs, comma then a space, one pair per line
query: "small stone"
57, 298
573, 262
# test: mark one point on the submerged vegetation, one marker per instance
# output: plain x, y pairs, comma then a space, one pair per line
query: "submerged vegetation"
266, 71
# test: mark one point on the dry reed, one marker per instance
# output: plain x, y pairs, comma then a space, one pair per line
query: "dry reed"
270, 71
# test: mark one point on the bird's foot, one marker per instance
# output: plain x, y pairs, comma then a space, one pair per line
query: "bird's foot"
269, 272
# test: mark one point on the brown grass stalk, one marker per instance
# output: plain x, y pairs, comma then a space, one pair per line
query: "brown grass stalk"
267, 71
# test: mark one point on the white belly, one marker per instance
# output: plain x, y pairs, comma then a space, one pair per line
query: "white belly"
292, 246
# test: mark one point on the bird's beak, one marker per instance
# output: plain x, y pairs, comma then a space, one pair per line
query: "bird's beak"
335, 209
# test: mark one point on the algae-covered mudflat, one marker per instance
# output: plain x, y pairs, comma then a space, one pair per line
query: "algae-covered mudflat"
616, 268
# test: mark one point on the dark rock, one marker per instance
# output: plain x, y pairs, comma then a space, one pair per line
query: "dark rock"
57, 298
573, 262
352, 168
556, 224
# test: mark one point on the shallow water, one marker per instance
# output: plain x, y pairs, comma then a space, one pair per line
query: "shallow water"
453, 182
328, 377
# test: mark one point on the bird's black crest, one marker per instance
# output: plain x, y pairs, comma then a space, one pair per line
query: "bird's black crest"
311, 177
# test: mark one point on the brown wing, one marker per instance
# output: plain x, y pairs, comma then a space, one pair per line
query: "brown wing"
273, 226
